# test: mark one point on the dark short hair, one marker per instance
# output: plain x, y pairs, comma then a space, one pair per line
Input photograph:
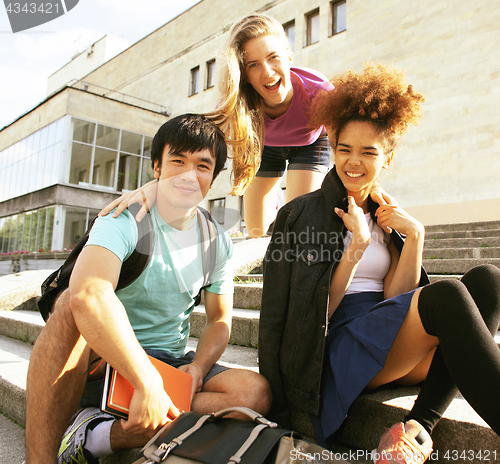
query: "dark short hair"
190, 132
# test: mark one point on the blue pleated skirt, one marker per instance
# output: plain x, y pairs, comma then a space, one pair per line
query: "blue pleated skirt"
361, 333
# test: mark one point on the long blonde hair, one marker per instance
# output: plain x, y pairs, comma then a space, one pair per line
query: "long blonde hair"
240, 112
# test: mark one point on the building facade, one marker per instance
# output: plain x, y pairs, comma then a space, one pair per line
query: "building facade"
85, 144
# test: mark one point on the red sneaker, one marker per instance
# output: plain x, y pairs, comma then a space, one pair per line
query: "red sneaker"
407, 443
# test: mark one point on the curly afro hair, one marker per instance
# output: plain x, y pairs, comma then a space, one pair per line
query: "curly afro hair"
379, 95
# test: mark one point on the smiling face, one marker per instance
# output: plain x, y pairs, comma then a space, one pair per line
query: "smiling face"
185, 179
267, 69
360, 157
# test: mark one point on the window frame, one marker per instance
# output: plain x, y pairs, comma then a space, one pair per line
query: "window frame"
216, 211
194, 83
286, 27
309, 27
210, 77
334, 16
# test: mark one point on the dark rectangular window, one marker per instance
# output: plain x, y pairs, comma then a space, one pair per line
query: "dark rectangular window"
195, 81
210, 73
218, 210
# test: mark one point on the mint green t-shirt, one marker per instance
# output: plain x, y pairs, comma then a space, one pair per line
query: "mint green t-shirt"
159, 302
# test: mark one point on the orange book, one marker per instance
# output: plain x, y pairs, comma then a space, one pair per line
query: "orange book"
118, 391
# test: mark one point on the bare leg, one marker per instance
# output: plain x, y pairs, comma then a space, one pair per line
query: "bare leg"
299, 182
411, 346
419, 372
260, 206
56, 379
234, 387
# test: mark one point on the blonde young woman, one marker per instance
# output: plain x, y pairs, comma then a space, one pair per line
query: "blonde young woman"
347, 306
264, 112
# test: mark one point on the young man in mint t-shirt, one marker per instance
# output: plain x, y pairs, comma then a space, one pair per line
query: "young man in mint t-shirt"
150, 316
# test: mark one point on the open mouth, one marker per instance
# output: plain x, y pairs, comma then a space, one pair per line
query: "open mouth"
273, 86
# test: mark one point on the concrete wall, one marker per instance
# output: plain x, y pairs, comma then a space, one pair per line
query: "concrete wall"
98, 53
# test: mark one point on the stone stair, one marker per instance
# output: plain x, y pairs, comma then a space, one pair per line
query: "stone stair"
460, 430
454, 249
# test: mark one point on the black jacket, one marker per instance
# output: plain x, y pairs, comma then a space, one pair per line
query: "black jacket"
305, 248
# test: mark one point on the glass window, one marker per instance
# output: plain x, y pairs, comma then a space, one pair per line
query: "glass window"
81, 156
32, 231
75, 225
41, 162
312, 27
3, 179
25, 245
17, 232
131, 143
20, 150
218, 210
128, 174
76, 221
148, 141
49, 229
36, 141
210, 73
24, 179
50, 165
107, 137
195, 79
83, 131
59, 124
56, 167
104, 167
32, 167
147, 171
10, 231
290, 33
8, 181
339, 17
44, 138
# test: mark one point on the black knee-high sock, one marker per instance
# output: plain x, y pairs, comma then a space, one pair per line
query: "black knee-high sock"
479, 294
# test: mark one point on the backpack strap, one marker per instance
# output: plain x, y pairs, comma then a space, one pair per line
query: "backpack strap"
208, 248
132, 267
136, 263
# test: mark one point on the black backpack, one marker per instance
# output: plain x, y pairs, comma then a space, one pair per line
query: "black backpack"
133, 266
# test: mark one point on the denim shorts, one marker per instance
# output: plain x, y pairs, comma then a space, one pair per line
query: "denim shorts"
314, 157
92, 393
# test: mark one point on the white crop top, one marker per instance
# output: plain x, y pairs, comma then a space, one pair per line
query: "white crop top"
375, 262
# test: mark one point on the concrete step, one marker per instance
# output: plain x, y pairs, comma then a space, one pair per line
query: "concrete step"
486, 225
11, 441
430, 235
25, 325
462, 253
460, 429
19, 291
455, 266
478, 242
